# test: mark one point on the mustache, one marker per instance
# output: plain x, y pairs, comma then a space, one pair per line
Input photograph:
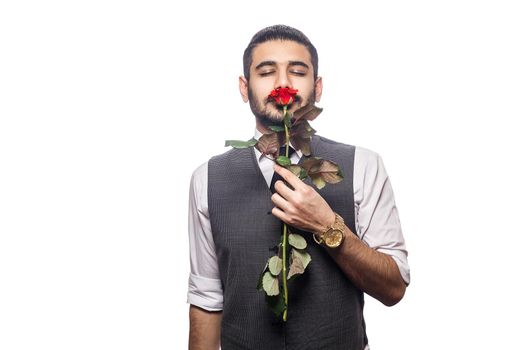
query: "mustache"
297, 98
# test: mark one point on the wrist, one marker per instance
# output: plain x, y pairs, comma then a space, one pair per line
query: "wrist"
326, 223
333, 234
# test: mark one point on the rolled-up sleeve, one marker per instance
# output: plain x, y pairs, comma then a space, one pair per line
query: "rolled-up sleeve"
204, 284
377, 217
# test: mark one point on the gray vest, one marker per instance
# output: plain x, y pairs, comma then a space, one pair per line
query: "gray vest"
325, 310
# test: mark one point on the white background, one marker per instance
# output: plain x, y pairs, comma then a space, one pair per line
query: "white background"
108, 106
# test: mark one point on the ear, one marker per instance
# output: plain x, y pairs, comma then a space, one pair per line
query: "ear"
243, 88
318, 89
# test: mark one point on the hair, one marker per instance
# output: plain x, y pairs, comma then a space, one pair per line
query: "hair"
278, 32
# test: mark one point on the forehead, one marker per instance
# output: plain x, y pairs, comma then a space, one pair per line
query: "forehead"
280, 51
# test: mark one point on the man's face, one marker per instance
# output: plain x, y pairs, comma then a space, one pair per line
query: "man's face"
279, 64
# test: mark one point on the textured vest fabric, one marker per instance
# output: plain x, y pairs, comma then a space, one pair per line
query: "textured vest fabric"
325, 310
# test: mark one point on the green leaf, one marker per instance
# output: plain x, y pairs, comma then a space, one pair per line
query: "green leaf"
298, 171
276, 128
276, 304
240, 144
283, 161
275, 265
301, 255
270, 284
297, 241
303, 175
260, 282
318, 181
308, 112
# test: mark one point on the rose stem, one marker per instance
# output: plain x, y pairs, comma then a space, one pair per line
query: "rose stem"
285, 286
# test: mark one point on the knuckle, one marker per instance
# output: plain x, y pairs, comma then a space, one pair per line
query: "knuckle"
307, 190
297, 204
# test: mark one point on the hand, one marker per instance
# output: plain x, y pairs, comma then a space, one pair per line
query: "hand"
300, 206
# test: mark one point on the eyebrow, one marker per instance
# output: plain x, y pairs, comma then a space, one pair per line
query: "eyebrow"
273, 63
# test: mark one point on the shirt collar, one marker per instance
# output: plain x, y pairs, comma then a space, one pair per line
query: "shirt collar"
259, 155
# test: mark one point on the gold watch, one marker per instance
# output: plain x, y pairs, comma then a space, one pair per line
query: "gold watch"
334, 235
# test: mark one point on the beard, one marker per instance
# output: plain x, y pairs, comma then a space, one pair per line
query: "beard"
263, 111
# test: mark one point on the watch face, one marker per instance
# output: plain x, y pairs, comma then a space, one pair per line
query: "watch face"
334, 238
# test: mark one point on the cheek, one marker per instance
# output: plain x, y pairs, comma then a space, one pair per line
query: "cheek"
261, 90
306, 93
305, 89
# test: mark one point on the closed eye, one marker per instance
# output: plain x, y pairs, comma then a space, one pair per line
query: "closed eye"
298, 73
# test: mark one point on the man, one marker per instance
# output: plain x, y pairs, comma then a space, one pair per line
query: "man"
234, 220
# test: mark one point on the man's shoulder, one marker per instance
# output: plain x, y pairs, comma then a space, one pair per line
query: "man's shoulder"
366, 154
199, 175
202, 169
226, 154
332, 142
360, 151
363, 156
368, 163
230, 158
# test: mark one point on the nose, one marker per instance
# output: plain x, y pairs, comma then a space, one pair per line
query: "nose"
283, 80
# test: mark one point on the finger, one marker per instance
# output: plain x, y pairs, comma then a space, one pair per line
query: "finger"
279, 214
280, 202
288, 176
285, 191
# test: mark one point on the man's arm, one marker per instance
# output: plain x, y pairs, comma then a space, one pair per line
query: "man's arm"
204, 284
205, 329
373, 272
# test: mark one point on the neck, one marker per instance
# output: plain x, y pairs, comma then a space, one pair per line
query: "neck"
262, 127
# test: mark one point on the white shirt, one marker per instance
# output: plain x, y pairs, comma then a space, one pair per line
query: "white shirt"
376, 221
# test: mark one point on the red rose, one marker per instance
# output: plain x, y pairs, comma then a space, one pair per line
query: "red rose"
283, 96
